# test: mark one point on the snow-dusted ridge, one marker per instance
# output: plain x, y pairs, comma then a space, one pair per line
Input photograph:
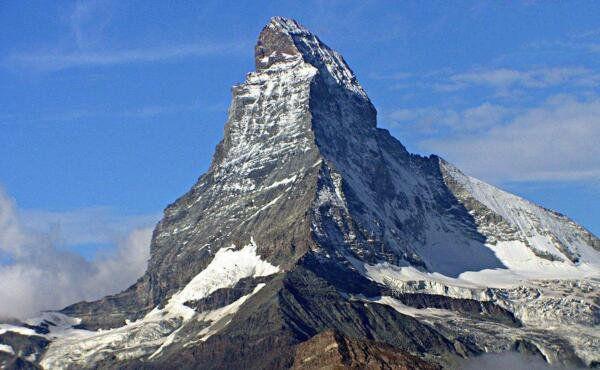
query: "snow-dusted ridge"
548, 234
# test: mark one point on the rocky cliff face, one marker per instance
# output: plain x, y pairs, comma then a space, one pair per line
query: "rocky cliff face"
331, 350
314, 226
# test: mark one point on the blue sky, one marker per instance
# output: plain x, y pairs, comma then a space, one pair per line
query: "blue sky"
110, 110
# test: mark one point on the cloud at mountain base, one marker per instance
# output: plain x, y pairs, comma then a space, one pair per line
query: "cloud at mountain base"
37, 274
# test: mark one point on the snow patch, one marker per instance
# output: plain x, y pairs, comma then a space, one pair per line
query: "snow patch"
16, 329
227, 268
215, 316
6, 348
281, 182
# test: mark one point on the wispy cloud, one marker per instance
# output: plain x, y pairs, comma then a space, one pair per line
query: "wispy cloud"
433, 120
159, 110
397, 76
38, 274
53, 61
87, 20
591, 47
88, 44
584, 41
500, 82
587, 34
507, 124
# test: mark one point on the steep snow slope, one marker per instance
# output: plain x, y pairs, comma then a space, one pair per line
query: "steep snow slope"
548, 234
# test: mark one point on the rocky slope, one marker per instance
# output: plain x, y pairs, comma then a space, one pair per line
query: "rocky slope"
331, 350
313, 227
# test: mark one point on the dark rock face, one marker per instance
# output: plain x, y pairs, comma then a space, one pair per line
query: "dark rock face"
485, 310
266, 150
313, 305
304, 174
273, 47
8, 361
293, 309
27, 349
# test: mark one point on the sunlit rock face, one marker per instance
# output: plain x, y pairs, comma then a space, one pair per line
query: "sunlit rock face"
315, 227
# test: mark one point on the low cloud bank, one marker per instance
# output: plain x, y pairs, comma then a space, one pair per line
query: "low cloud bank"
508, 360
35, 274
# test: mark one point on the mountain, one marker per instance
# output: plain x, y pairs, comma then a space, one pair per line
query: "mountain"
315, 239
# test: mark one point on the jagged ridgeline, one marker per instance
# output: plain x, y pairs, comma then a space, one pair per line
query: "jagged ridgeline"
315, 239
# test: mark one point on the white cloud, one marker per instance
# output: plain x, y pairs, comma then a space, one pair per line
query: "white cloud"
58, 60
40, 275
555, 141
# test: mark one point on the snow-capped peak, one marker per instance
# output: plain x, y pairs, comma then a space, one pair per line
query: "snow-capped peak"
291, 26
283, 39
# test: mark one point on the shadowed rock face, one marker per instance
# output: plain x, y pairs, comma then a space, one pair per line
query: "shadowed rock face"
292, 309
304, 174
468, 307
273, 46
23, 348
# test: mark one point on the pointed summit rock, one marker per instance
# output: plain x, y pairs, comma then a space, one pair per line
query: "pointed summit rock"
275, 43
312, 225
